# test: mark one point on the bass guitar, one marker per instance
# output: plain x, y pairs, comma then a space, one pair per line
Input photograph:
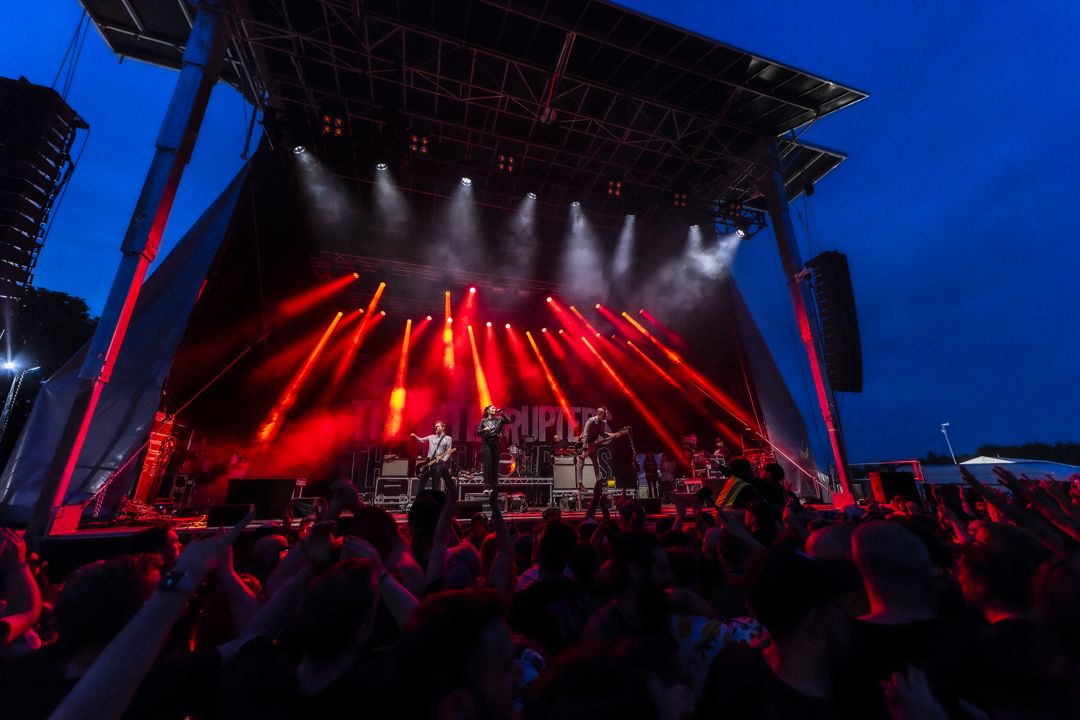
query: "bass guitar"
431, 462
590, 448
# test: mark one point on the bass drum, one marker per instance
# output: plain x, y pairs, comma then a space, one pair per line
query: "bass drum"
507, 465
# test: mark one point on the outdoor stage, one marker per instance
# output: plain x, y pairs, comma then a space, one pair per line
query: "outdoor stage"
503, 222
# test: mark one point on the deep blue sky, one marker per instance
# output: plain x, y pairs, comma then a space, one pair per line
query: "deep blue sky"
956, 207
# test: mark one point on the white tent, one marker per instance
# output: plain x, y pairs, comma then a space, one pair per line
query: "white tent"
982, 468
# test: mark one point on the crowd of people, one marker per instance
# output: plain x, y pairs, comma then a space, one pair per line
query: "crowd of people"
954, 606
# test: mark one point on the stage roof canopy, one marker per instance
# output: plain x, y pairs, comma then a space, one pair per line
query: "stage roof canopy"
581, 93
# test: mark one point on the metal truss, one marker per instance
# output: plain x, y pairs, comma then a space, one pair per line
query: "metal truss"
579, 92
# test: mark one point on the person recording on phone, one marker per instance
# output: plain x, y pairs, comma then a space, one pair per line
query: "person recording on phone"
490, 432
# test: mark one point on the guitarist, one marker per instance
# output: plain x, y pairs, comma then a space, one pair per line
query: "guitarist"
596, 428
437, 465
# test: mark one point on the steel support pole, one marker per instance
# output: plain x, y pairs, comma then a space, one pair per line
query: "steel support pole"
179, 129
780, 217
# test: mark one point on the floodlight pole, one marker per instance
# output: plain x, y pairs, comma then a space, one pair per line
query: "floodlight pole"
199, 72
780, 216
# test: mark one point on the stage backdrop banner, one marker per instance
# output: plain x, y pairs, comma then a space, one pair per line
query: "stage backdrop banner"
126, 410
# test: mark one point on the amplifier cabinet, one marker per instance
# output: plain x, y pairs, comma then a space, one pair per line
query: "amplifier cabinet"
564, 473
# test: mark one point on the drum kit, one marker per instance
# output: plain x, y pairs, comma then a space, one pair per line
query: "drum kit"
516, 462
704, 465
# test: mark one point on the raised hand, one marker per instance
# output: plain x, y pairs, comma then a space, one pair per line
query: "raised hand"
319, 543
355, 547
203, 556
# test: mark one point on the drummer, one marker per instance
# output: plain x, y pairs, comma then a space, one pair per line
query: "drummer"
721, 452
562, 446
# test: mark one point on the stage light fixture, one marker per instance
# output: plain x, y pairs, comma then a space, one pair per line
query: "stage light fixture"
9, 365
381, 166
472, 291
489, 323
447, 293
507, 326
418, 143
543, 329
428, 317
680, 199
575, 204
742, 227
506, 163
297, 149
530, 195
560, 331
549, 298
382, 312
356, 276
333, 126
466, 181
694, 226
614, 188
449, 320
597, 306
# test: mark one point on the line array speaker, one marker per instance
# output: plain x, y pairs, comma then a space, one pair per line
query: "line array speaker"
839, 321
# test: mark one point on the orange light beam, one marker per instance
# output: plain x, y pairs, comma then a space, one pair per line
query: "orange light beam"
358, 336
645, 412
671, 335
397, 395
448, 335
560, 397
701, 382
276, 417
697, 400
311, 298
656, 368
584, 322
483, 394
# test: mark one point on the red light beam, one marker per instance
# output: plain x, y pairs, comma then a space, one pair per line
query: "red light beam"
274, 420
632, 397
307, 300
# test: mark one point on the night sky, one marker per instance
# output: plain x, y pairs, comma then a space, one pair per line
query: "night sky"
956, 206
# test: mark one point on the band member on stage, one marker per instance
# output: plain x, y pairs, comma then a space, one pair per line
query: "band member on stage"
721, 452
596, 428
490, 432
439, 445
561, 446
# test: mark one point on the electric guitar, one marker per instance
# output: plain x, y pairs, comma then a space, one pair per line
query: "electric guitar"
431, 462
590, 448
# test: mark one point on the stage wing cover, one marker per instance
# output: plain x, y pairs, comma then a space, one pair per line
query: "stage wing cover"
128, 403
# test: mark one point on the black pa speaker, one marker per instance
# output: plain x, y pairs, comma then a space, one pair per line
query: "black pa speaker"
270, 496
839, 321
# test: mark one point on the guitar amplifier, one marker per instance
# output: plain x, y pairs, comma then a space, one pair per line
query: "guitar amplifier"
398, 467
392, 489
563, 473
